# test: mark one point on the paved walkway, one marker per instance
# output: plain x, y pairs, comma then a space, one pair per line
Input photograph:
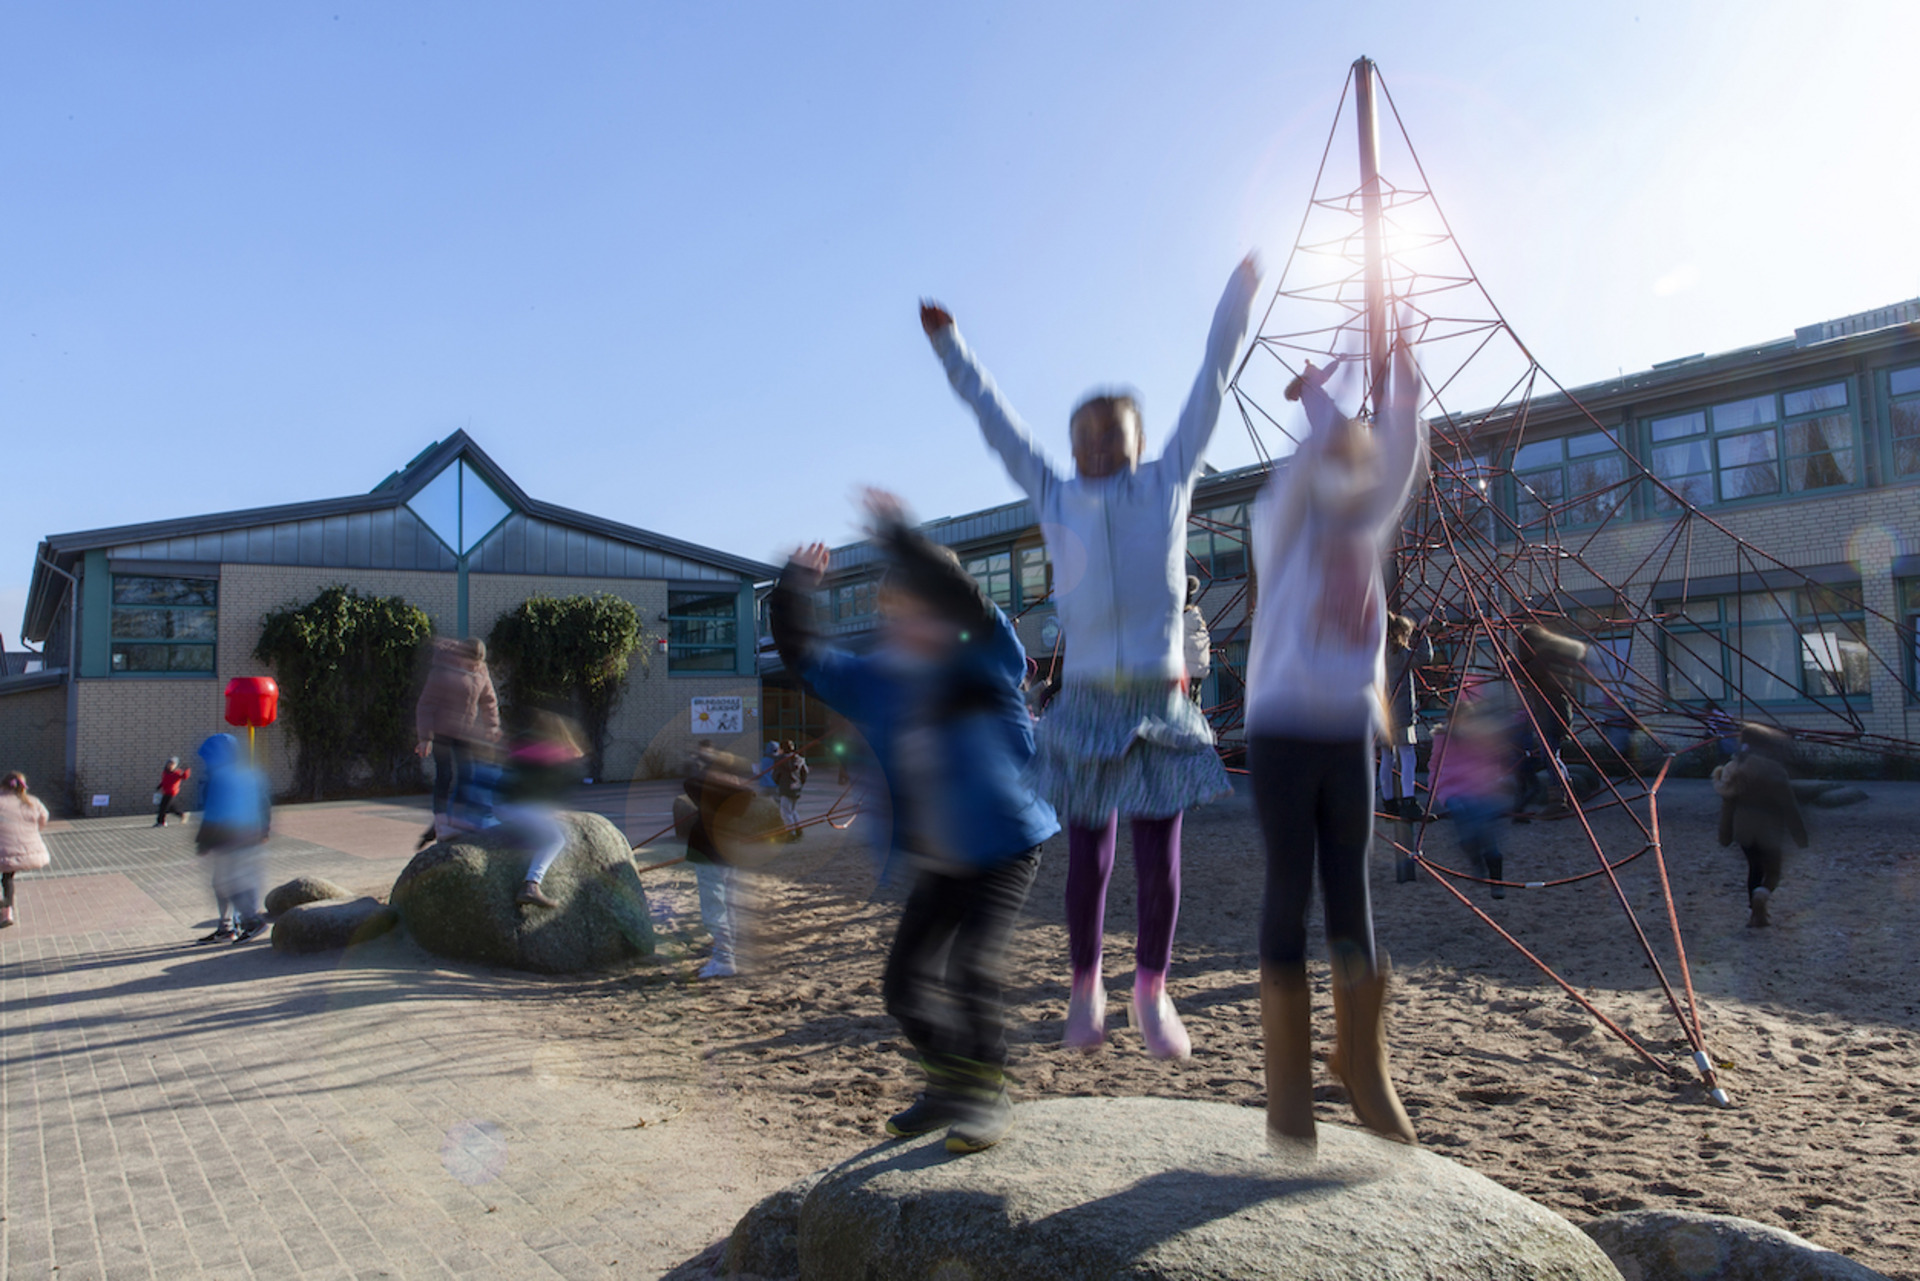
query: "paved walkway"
168, 1109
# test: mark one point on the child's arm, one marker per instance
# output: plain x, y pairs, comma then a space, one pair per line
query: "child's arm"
1201, 413
833, 674
1006, 435
1281, 507
1402, 434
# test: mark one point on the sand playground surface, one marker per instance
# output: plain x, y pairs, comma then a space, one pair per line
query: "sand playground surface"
760, 1079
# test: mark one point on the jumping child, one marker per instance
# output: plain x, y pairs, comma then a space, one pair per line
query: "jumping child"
1315, 704
1122, 736
938, 701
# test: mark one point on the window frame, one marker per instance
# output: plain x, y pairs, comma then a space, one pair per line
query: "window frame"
1714, 436
117, 642
679, 648
1895, 401
1557, 509
989, 572
1237, 550
1800, 619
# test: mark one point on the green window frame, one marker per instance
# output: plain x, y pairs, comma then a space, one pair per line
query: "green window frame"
1217, 541
994, 572
703, 630
1567, 481
161, 625
1903, 419
1785, 646
1757, 447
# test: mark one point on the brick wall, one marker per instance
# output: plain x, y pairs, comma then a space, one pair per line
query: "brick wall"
33, 740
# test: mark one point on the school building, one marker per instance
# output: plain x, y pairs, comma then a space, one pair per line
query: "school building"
1806, 447
141, 626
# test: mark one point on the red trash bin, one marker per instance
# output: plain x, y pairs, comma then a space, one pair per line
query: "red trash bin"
252, 701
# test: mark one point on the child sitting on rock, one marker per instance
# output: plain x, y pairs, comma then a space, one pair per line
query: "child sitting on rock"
541, 772
1758, 811
938, 700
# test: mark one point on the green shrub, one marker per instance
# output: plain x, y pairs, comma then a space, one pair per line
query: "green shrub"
569, 653
345, 664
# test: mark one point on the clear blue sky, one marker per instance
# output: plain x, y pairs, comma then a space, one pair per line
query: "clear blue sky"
661, 260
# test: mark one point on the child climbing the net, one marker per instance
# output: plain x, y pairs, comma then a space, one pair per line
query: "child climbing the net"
1315, 704
1122, 736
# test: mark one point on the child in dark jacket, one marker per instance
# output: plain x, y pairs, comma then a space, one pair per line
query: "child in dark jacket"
939, 703
1758, 812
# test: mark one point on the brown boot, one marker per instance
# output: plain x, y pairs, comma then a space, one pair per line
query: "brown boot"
1360, 1048
531, 893
1286, 1023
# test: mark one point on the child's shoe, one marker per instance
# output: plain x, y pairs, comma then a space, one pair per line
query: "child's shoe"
6, 917
222, 935
718, 967
985, 1111
531, 894
248, 929
1757, 901
1086, 1013
1154, 1015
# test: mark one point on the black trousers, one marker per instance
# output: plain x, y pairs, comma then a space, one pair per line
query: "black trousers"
1315, 801
168, 805
1763, 867
452, 772
946, 974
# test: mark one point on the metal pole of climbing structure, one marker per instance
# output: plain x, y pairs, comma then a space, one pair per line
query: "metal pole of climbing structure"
1374, 242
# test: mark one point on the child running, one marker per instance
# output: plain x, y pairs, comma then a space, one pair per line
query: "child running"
1122, 736
938, 701
1315, 703
1758, 812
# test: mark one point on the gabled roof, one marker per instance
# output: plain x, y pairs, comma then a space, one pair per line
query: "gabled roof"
331, 520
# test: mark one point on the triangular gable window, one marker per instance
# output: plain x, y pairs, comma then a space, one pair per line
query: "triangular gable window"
460, 507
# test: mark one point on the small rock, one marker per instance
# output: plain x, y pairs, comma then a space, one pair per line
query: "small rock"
1683, 1245
1839, 797
302, 889
332, 924
766, 1243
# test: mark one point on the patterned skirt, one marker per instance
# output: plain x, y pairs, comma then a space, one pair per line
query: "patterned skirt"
1144, 749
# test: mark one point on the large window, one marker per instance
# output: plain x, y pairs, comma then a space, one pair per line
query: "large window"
1217, 541
1464, 489
1910, 622
994, 573
162, 625
1756, 447
1573, 480
703, 630
1768, 647
1903, 394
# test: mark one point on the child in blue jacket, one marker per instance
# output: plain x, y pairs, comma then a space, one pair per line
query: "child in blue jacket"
939, 703
235, 818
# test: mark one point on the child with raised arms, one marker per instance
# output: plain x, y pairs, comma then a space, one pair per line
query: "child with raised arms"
1122, 737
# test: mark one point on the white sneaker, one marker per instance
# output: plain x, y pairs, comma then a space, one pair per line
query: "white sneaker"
718, 968
1086, 1015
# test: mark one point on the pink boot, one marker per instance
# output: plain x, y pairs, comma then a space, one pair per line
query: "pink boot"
1154, 1015
6, 916
1086, 1013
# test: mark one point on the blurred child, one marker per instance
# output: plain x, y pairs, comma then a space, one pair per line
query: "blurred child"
789, 779
1122, 736
541, 770
1473, 780
1407, 648
717, 818
1758, 812
235, 820
1315, 705
1551, 668
1197, 641
167, 794
938, 702
22, 819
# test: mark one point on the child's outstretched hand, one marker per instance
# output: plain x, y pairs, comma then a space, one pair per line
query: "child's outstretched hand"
934, 317
811, 559
884, 510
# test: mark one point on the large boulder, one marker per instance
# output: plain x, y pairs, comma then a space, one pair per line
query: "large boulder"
302, 889
457, 899
332, 924
1158, 1188
1683, 1245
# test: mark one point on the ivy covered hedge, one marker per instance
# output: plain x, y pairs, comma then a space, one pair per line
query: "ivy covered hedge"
569, 654
347, 665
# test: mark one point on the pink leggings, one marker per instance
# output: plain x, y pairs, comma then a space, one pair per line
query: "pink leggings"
1156, 867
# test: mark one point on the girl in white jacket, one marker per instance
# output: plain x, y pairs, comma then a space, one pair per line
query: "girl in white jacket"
1315, 703
1122, 737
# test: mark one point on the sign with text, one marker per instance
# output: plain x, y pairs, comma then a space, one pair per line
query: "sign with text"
719, 715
